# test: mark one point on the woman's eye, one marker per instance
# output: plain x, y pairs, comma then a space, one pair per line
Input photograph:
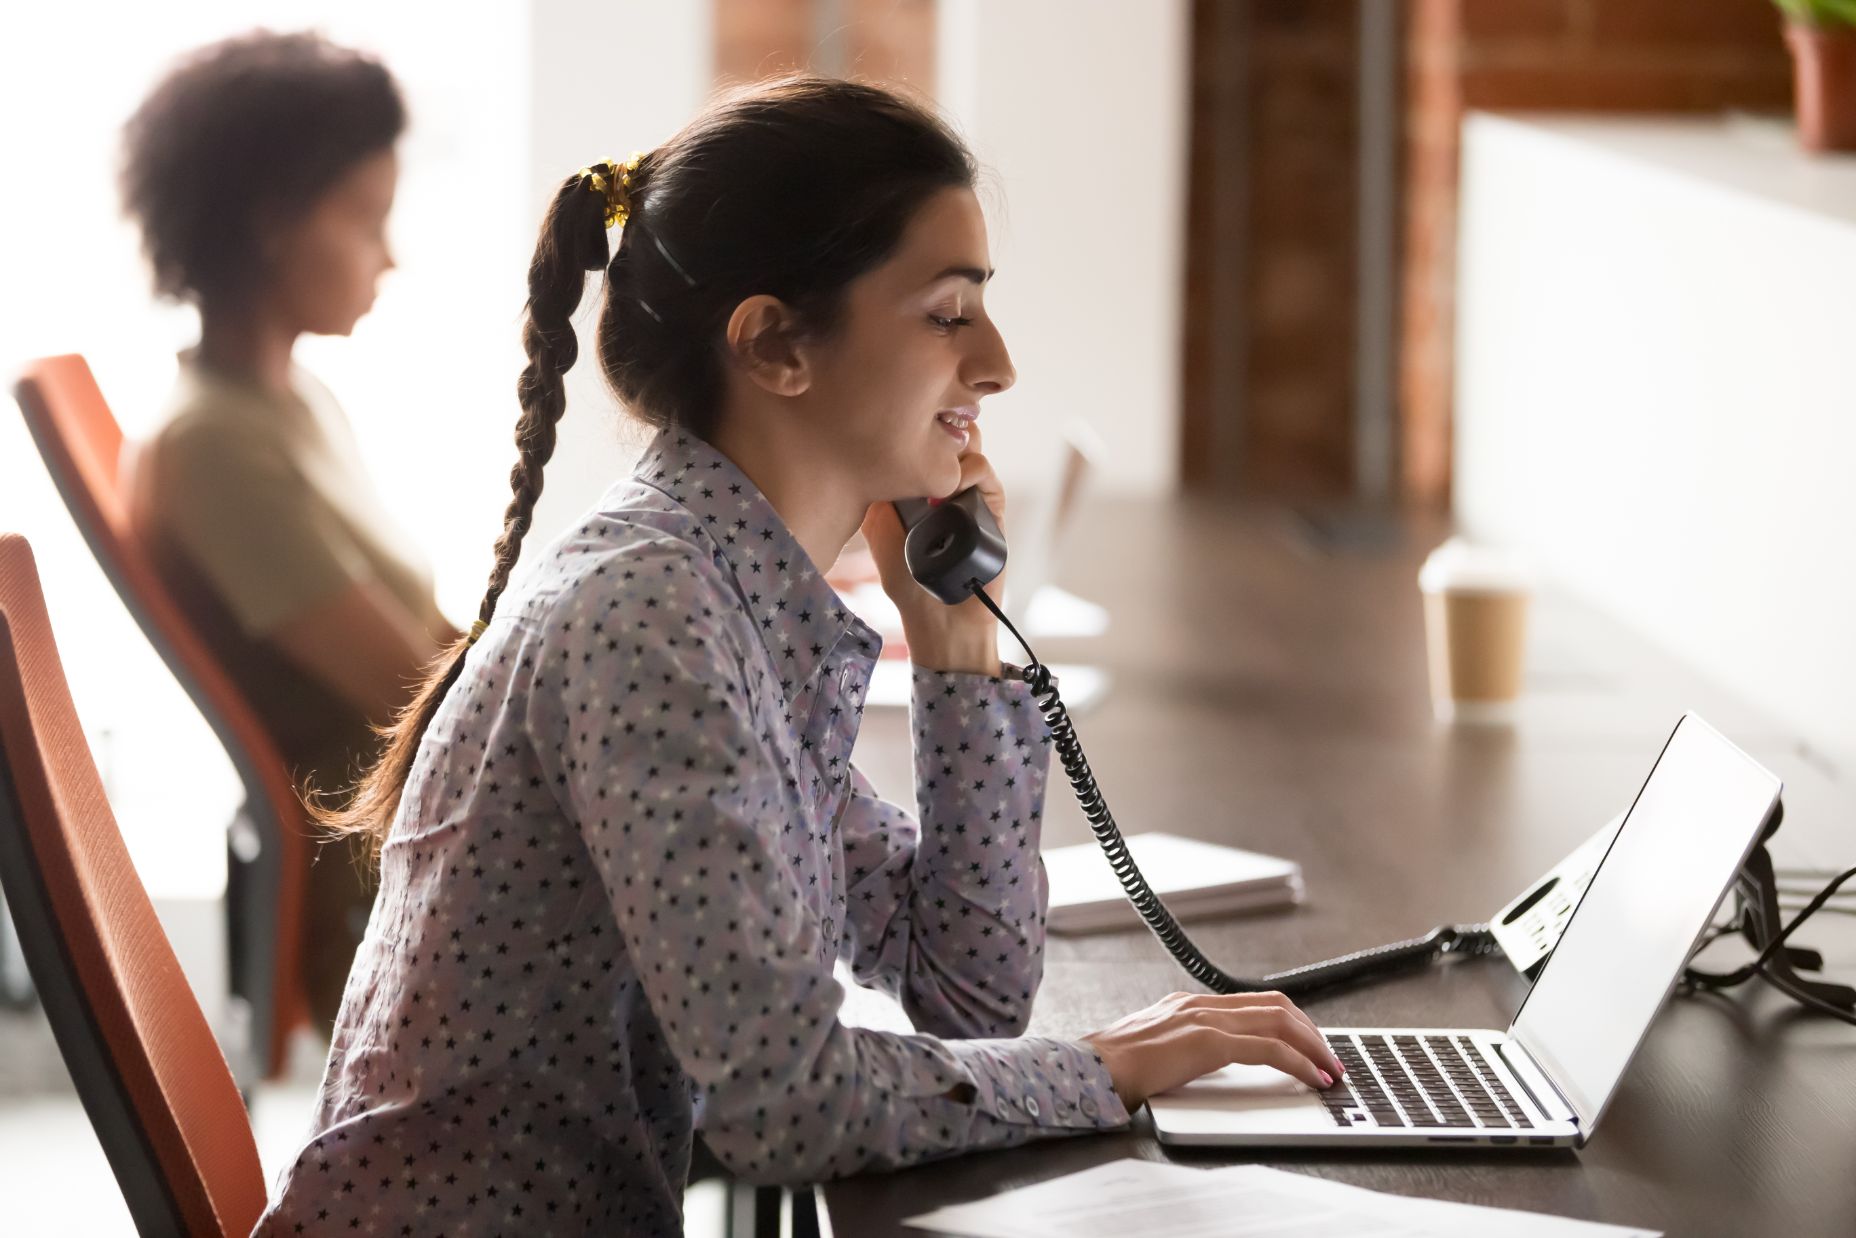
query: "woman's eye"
950, 324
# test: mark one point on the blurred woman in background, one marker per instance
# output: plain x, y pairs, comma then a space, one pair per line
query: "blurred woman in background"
261, 172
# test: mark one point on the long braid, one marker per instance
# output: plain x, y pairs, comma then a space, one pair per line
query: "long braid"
573, 241
548, 338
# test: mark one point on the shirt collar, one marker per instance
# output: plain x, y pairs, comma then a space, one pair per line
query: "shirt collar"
800, 618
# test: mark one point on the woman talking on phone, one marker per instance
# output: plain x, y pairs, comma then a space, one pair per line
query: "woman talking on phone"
622, 843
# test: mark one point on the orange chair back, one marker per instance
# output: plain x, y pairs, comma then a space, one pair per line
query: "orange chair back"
150, 1074
81, 443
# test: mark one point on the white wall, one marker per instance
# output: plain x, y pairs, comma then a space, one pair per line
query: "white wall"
1079, 108
1654, 391
611, 77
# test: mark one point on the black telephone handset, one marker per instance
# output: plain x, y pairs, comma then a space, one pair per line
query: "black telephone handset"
953, 546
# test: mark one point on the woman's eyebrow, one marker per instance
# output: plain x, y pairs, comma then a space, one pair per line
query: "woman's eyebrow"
970, 273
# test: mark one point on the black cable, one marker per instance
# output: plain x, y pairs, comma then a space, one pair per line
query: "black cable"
1801, 885
1781, 978
1804, 998
1465, 939
1740, 975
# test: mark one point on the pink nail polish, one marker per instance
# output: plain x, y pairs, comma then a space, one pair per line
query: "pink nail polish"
1327, 1080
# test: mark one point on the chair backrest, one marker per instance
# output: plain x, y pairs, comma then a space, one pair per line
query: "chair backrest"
81, 443
151, 1076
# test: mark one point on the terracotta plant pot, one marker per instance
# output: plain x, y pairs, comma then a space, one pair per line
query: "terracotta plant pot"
1824, 81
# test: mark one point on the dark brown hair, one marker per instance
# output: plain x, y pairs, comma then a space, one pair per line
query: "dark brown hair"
792, 188
253, 128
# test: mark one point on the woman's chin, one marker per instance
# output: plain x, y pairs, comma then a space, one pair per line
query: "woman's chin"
935, 474
945, 484
946, 475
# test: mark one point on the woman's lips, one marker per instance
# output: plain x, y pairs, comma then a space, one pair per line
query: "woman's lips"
957, 421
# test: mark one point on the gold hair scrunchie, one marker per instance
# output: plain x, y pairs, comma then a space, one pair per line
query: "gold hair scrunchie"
477, 629
612, 180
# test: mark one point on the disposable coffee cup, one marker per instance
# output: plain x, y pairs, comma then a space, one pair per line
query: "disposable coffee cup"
1475, 625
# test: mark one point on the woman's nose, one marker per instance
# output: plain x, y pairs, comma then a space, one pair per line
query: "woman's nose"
991, 368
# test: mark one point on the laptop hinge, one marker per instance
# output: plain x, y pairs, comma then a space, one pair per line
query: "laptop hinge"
1532, 1075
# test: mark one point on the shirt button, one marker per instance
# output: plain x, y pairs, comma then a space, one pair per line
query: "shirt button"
1090, 1107
1031, 1105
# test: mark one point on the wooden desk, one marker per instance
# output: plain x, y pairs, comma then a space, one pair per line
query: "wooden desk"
1270, 693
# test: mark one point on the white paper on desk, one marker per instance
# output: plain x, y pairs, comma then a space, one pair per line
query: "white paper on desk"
892, 683
1248, 1201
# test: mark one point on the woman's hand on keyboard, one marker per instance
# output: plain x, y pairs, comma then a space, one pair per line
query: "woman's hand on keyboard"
1186, 1035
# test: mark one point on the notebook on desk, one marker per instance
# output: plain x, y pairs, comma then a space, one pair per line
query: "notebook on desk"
1195, 879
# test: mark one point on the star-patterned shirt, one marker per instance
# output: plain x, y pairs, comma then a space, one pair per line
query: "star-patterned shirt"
629, 853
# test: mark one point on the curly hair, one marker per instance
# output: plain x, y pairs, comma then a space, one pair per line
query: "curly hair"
245, 131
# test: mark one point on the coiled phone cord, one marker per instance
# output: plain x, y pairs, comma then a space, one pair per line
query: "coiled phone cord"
1463, 939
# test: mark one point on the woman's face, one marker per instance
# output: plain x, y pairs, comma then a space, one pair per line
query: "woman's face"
913, 357
326, 264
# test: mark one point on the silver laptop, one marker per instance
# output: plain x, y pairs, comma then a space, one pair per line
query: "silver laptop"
1548, 1078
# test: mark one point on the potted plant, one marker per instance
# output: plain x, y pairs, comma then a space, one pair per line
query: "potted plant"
1822, 38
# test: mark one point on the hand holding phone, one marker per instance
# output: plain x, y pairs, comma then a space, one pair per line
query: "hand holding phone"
928, 550
952, 547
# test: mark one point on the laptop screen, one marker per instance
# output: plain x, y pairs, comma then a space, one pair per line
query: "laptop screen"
1694, 822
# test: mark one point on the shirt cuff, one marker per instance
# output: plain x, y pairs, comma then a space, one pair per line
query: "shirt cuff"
971, 729
1035, 1081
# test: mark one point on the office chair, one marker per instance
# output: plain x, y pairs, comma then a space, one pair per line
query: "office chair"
268, 843
152, 1079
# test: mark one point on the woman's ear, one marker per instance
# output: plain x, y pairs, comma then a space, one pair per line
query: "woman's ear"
761, 342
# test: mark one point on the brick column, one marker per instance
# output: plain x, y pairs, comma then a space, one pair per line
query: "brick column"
883, 41
1268, 366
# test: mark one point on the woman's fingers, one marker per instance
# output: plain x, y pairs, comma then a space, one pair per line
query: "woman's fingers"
1278, 1024
1186, 1035
1266, 1051
882, 528
973, 440
1269, 998
977, 470
1240, 1001
1269, 1014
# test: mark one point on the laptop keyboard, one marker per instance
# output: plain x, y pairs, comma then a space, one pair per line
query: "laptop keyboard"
1418, 1081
